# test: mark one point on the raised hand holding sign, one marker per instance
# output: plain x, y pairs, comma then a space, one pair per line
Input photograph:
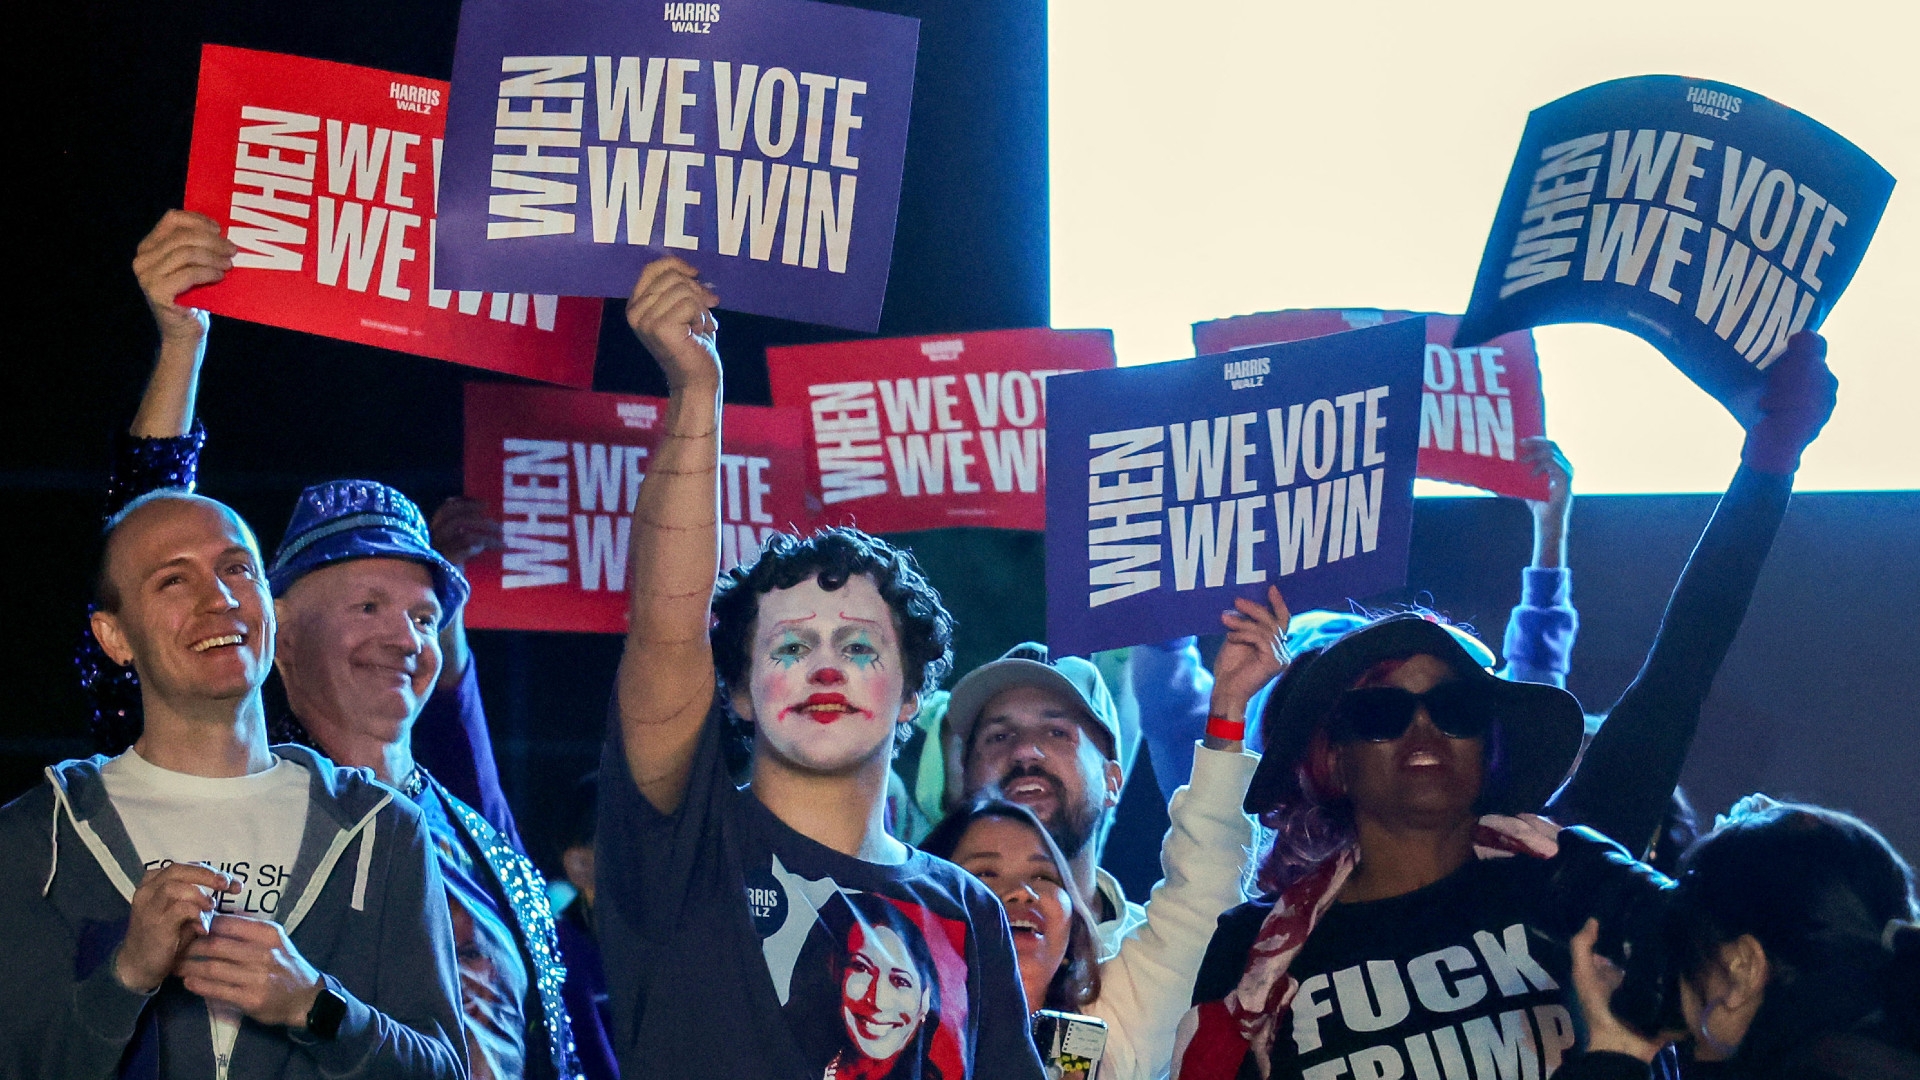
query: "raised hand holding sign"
325, 177
766, 138
1796, 402
1712, 222
1178, 487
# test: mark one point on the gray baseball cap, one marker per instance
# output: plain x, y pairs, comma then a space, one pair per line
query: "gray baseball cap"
1028, 664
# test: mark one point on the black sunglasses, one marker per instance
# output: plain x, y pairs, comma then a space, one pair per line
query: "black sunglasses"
1460, 710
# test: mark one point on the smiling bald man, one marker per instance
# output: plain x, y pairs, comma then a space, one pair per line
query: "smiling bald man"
203, 921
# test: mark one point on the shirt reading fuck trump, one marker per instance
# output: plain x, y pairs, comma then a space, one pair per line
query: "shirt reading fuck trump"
735, 947
1448, 982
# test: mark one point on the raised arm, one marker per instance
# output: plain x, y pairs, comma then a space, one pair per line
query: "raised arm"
184, 250
666, 674
161, 449
1541, 628
1627, 775
451, 737
162, 446
461, 529
1148, 985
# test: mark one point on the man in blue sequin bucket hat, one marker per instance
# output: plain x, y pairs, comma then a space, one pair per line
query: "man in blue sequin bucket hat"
361, 519
361, 597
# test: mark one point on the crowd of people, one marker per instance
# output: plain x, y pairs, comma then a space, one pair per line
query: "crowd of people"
1392, 858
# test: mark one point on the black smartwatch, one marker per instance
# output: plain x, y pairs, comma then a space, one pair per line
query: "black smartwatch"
323, 1019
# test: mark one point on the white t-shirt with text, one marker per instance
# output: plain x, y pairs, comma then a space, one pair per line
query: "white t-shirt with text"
247, 826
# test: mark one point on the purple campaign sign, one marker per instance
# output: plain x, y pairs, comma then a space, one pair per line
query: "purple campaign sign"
1211, 478
760, 140
1704, 218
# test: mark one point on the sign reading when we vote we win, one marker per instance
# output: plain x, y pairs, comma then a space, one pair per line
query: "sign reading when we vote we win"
1179, 486
931, 432
761, 140
561, 469
324, 176
1704, 218
1477, 407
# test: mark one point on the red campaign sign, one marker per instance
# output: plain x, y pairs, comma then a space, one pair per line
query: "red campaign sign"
931, 432
1477, 406
560, 469
326, 176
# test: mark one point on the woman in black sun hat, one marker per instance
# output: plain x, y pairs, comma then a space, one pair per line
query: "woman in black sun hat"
1415, 916
1413, 773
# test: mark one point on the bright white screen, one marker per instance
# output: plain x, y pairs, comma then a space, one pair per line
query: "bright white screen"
1214, 158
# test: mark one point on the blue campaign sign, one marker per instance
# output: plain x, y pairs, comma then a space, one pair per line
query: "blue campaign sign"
760, 140
1707, 219
1210, 478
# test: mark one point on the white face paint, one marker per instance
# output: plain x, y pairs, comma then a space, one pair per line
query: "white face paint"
826, 686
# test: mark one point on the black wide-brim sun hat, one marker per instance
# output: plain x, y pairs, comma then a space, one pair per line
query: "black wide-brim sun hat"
1532, 743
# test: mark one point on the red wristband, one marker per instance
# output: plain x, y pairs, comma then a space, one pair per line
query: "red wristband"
1219, 727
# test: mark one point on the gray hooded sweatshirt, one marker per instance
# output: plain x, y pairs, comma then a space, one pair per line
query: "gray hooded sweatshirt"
364, 905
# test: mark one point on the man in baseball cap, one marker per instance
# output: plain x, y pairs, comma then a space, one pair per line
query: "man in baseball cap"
1046, 734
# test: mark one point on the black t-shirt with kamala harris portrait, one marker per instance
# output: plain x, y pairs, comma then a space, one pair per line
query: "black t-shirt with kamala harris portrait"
737, 948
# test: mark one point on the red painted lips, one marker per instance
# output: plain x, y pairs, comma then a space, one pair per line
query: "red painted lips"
825, 708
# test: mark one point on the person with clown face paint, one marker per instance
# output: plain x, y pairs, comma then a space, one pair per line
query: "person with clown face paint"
712, 899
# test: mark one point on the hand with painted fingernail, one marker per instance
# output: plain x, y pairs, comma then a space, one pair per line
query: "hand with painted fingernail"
1253, 654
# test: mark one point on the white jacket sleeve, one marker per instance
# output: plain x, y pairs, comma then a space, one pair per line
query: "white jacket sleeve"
1148, 984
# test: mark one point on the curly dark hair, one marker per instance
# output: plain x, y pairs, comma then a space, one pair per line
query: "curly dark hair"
832, 557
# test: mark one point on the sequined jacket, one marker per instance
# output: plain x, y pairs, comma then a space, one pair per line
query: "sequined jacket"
525, 893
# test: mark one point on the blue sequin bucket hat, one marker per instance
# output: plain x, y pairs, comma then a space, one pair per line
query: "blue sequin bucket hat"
361, 519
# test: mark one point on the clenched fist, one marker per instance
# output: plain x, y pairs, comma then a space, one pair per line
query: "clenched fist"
671, 313
184, 250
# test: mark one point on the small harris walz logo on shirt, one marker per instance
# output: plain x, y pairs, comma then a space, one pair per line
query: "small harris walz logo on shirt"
693, 18
766, 902
409, 98
1714, 103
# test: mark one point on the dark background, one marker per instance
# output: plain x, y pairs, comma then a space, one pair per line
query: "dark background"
1817, 700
